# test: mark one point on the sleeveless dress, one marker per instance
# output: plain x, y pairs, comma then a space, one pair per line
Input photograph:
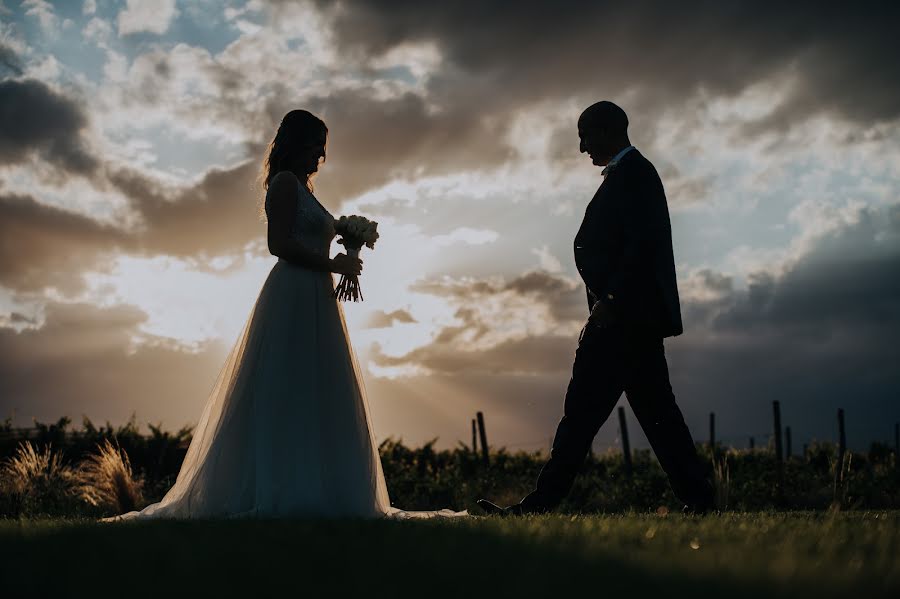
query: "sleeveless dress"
286, 429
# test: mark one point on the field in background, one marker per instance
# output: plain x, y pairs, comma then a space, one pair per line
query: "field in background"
769, 555
424, 478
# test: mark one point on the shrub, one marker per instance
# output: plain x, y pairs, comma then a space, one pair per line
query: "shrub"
36, 482
105, 480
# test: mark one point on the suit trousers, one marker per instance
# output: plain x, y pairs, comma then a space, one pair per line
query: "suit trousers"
609, 361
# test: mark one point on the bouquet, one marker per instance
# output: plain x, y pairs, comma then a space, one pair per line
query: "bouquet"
355, 232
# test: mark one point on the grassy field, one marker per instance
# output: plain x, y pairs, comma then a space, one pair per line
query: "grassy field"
627, 555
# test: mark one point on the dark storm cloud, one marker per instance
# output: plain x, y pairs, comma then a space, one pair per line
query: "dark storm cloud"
35, 120
819, 337
840, 58
846, 284
79, 362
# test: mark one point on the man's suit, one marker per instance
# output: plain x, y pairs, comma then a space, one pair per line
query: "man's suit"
623, 252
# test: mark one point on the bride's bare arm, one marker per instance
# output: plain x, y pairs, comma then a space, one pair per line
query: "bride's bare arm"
281, 214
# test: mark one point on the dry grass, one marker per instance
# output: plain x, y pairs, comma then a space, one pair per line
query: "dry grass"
30, 470
721, 481
105, 480
33, 481
841, 481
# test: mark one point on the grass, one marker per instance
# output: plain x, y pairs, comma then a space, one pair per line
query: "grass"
105, 480
771, 554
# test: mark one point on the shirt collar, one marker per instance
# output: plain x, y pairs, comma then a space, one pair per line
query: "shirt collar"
618, 156
615, 160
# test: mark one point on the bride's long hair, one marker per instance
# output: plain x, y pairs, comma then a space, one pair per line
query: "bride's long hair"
298, 129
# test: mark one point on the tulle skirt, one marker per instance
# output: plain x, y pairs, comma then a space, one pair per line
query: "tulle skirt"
286, 428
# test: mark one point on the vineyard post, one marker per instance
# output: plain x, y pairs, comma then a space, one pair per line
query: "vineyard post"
842, 445
897, 444
752, 443
626, 446
474, 438
712, 434
779, 455
483, 435
787, 442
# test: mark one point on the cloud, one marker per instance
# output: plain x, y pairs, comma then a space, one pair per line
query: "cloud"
826, 59
9, 60
45, 246
37, 120
840, 282
524, 326
82, 361
381, 126
526, 357
43, 12
466, 235
561, 297
151, 17
382, 320
41, 124
372, 141
215, 214
219, 214
817, 334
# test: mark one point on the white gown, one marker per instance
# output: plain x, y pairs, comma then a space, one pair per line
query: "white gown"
285, 431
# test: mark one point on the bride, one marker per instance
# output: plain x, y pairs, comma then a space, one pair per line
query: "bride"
286, 430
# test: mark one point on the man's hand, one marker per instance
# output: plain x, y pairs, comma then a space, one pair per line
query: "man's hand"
602, 315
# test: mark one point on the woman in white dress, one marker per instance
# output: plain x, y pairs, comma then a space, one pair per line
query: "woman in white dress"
286, 429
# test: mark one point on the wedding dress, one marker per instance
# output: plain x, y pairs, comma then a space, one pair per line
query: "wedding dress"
286, 428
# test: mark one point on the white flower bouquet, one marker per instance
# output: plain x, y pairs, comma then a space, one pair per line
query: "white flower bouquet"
355, 232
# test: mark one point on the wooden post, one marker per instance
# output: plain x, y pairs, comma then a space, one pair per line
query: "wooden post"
787, 442
776, 414
483, 435
474, 438
842, 445
897, 445
626, 446
752, 443
712, 434
779, 455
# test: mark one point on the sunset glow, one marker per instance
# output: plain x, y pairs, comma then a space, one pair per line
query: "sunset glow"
131, 248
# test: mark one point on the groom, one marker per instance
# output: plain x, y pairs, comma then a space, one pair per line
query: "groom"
623, 252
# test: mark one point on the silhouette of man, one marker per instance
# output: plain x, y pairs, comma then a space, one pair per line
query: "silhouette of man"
623, 252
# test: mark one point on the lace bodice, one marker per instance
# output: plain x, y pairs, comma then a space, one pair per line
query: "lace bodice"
313, 224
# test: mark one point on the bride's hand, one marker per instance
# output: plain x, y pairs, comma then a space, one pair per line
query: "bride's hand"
343, 264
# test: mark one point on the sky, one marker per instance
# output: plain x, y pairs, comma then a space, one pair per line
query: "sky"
132, 135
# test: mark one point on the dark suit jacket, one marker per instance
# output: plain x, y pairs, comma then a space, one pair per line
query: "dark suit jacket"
624, 248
